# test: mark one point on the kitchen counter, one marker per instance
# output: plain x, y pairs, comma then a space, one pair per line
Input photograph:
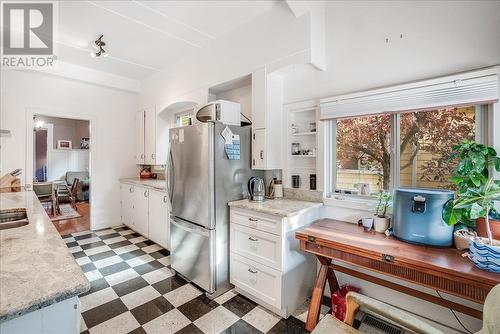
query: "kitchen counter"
148, 183
280, 207
36, 267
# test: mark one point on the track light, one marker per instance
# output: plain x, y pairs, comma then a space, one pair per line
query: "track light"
100, 51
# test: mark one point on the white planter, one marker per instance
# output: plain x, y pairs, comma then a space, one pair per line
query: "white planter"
380, 224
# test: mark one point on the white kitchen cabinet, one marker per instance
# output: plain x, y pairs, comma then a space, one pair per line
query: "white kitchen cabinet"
127, 204
159, 213
266, 264
267, 119
141, 211
151, 138
146, 211
259, 150
139, 138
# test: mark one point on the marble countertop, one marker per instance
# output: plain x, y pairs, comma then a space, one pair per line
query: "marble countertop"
36, 267
280, 207
148, 183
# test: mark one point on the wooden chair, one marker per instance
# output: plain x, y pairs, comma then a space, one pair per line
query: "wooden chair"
65, 194
355, 301
46, 194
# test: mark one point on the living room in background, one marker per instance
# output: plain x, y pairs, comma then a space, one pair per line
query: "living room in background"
61, 170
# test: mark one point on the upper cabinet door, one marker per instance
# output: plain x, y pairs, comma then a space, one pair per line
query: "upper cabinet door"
259, 149
259, 100
139, 138
267, 120
150, 136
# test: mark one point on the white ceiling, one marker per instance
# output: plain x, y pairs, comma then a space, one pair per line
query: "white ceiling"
143, 37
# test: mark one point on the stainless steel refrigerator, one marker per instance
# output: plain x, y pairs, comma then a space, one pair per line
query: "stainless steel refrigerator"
201, 180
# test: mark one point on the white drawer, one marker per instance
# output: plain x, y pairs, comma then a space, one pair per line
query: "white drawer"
256, 279
262, 247
257, 220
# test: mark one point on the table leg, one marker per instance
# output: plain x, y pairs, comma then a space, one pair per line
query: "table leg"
319, 288
330, 275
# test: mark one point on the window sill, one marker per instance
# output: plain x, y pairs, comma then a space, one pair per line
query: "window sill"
356, 203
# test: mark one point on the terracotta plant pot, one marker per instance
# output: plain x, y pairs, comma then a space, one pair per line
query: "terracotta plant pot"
494, 226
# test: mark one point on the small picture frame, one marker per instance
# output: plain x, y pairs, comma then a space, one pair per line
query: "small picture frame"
85, 143
64, 145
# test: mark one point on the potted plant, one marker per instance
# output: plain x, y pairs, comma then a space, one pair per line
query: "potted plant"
381, 219
472, 172
479, 202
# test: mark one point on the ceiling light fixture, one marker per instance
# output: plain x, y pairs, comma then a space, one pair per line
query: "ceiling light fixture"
100, 51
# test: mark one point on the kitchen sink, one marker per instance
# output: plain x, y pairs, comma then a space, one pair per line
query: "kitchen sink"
10, 218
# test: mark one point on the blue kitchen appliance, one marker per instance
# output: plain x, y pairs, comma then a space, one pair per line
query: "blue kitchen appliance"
417, 216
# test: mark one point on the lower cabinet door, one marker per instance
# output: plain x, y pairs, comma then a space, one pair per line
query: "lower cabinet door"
159, 225
127, 204
256, 279
141, 211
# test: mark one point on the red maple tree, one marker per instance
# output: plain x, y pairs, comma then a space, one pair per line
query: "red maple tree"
366, 141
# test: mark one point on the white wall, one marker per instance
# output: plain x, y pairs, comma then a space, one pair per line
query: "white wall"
112, 132
67, 129
439, 38
270, 37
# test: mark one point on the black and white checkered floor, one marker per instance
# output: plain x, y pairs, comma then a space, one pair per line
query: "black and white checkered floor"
134, 291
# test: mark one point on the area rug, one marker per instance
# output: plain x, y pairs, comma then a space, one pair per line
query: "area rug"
67, 212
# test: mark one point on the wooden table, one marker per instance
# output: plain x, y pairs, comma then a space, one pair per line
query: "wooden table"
443, 269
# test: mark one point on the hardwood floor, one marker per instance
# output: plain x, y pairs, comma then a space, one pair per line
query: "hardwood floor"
74, 225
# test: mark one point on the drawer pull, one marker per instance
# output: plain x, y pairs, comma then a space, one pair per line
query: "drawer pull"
252, 239
253, 219
250, 270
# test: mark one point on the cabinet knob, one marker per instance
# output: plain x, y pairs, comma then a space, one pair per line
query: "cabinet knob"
142, 156
262, 154
252, 271
252, 239
131, 189
146, 193
253, 219
152, 156
165, 199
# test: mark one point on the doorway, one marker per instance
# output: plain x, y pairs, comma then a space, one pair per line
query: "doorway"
61, 170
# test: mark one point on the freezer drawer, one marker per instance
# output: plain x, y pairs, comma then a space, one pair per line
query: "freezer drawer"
191, 253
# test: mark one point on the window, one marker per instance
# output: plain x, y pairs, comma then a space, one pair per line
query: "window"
363, 154
182, 119
374, 153
426, 139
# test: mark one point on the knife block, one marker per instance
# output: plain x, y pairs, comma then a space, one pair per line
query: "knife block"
9, 183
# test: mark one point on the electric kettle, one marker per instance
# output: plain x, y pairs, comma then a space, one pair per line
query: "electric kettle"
256, 189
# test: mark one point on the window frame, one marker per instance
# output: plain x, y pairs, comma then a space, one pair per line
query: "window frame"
179, 115
482, 135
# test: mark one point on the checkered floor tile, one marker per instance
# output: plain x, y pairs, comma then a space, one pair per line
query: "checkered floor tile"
134, 291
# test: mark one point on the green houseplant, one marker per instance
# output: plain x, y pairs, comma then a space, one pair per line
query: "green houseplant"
472, 173
381, 219
479, 202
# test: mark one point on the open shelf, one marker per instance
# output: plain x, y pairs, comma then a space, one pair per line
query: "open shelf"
304, 134
303, 156
304, 109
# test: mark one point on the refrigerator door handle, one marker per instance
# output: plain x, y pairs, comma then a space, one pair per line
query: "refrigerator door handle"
170, 177
189, 227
